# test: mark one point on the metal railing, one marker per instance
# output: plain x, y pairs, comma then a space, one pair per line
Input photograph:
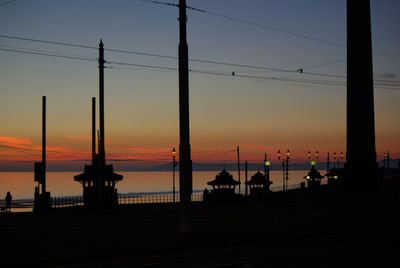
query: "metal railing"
156, 198
130, 198
144, 198
66, 201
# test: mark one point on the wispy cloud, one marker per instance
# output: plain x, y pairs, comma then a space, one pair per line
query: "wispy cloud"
15, 141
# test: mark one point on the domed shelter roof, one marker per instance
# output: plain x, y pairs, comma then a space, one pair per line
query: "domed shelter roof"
313, 174
223, 178
257, 179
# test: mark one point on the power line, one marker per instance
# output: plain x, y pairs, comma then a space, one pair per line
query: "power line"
192, 60
384, 83
323, 64
41, 51
46, 41
47, 54
252, 24
263, 26
156, 55
318, 82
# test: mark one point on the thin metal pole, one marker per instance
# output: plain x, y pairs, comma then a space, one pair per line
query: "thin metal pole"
173, 175
44, 144
245, 177
101, 96
238, 159
93, 129
283, 174
287, 171
327, 163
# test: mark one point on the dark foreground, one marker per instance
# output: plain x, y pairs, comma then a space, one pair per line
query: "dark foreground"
339, 232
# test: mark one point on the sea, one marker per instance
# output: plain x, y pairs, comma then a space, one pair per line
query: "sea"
21, 185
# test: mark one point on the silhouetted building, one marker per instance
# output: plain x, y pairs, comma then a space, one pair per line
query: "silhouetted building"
313, 178
223, 187
335, 177
259, 185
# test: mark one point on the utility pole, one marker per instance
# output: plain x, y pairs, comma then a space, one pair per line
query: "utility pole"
93, 129
245, 174
44, 145
327, 163
185, 162
101, 95
238, 158
361, 167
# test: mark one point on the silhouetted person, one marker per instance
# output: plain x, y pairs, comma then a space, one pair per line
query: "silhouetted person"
36, 200
116, 197
206, 195
8, 202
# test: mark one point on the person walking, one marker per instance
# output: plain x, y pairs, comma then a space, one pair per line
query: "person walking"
8, 202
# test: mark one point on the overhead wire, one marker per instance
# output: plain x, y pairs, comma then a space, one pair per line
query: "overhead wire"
46, 54
163, 56
267, 27
303, 69
386, 84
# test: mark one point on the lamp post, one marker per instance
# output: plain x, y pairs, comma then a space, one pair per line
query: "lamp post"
287, 167
327, 163
384, 159
173, 173
266, 170
387, 159
334, 158
341, 157
283, 169
314, 158
285, 176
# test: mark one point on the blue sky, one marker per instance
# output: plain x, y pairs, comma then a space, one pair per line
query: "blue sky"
141, 103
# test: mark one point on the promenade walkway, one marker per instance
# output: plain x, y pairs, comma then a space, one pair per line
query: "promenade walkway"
343, 232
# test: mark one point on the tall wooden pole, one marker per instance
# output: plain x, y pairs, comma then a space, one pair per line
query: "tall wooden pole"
361, 154
245, 178
93, 129
44, 144
185, 162
238, 159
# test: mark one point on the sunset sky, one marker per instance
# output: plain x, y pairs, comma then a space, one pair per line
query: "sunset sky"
260, 110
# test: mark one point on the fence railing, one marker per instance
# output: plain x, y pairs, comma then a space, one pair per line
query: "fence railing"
159, 198
66, 201
146, 198
130, 198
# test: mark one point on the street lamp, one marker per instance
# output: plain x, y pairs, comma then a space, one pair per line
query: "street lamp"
266, 170
284, 178
341, 157
283, 169
384, 159
334, 158
173, 173
313, 159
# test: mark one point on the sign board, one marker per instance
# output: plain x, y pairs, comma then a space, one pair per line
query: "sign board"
39, 172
